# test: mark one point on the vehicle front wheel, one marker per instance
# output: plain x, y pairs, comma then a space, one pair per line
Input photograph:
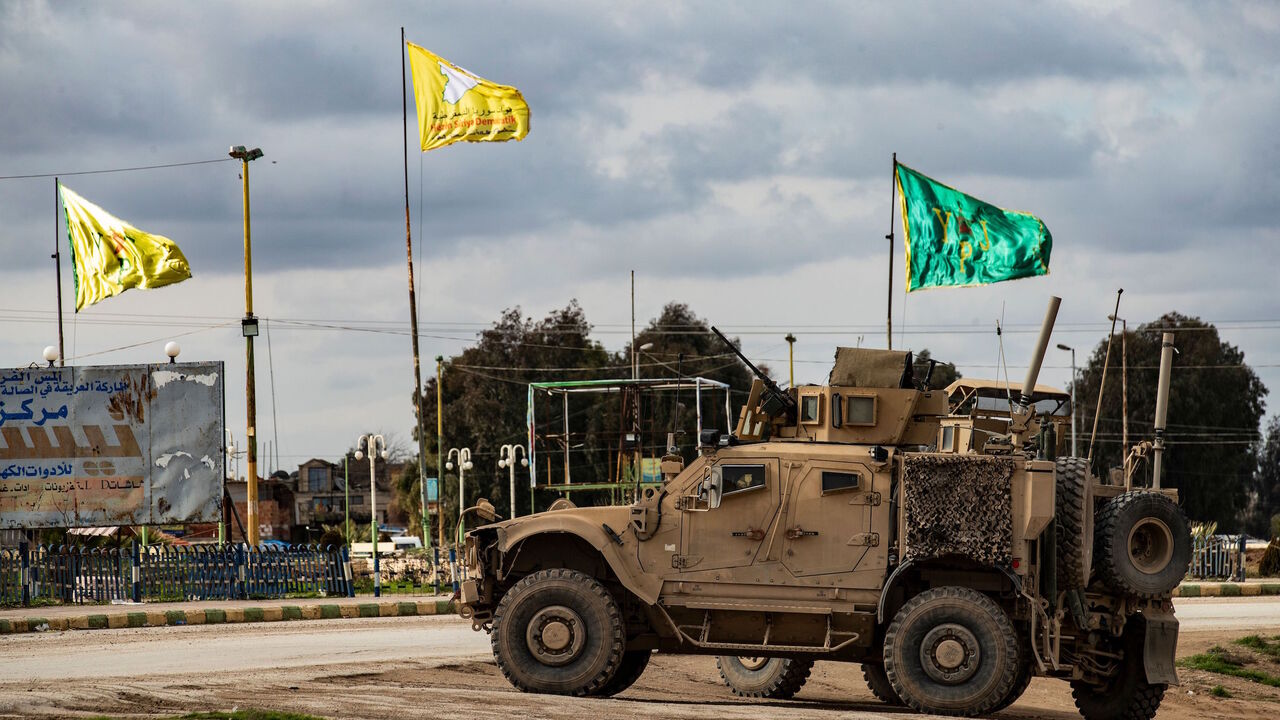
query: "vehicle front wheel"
558, 631
758, 677
951, 651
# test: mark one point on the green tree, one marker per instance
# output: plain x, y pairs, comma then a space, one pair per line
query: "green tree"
1215, 404
485, 397
1264, 496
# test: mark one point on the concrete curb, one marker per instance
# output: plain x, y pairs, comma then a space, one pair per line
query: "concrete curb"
1254, 589
141, 617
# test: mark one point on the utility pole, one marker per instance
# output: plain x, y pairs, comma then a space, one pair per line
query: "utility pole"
439, 450
249, 328
791, 357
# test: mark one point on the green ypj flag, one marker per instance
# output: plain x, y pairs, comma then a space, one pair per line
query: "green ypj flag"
954, 240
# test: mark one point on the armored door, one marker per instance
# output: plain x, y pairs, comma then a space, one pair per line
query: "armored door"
837, 525
733, 533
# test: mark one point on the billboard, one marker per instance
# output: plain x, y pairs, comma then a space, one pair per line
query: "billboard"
111, 445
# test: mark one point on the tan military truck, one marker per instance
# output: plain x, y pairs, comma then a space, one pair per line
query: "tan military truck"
835, 524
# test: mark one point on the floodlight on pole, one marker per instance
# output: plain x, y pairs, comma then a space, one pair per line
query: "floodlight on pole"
249, 329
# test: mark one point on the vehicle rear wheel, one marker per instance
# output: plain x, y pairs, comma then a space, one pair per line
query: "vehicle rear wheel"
879, 684
951, 651
1075, 523
1128, 696
629, 671
773, 678
558, 631
1143, 544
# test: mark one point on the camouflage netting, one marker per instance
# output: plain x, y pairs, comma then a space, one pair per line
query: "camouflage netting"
958, 505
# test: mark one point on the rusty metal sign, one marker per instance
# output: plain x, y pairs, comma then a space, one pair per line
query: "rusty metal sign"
111, 445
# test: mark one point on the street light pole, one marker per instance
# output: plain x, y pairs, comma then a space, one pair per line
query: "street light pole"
507, 459
1075, 450
372, 443
464, 464
249, 328
439, 447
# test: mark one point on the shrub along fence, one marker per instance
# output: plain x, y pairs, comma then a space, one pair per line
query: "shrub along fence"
73, 574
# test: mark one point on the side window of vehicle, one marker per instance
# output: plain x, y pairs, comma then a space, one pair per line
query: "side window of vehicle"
742, 478
833, 481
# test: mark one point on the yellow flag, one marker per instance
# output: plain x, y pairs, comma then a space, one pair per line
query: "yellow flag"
111, 256
454, 104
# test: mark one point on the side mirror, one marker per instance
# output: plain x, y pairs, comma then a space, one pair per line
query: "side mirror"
714, 485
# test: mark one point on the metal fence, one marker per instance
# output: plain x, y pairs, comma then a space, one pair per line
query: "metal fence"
1218, 557
74, 574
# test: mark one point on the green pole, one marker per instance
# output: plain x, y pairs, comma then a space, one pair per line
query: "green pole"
144, 536
346, 498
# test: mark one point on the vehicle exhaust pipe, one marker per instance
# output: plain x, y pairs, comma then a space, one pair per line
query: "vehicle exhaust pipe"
1162, 407
1042, 345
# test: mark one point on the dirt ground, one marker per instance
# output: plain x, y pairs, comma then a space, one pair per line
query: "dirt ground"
673, 687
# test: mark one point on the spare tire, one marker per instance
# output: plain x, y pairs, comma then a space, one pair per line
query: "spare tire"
1142, 544
1075, 523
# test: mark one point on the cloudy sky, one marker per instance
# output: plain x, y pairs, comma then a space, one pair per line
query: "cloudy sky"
736, 156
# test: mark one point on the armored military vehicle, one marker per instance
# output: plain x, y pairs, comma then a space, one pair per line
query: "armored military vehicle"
840, 522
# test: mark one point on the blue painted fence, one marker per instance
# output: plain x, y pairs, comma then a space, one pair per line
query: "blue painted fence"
73, 574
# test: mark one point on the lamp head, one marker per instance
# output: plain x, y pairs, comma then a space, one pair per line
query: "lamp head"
384, 453
524, 462
359, 454
502, 463
1065, 347
467, 465
448, 465
172, 349
647, 346
51, 354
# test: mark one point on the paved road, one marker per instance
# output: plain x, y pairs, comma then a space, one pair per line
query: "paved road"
230, 648
223, 648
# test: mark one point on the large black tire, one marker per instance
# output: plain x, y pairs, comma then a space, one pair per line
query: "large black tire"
558, 631
1143, 544
1019, 686
951, 651
772, 678
629, 671
1075, 523
1128, 696
879, 684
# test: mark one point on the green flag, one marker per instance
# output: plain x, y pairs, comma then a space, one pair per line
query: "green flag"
954, 240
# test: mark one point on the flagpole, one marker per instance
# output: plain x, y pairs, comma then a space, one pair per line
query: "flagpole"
57, 270
893, 194
413, 305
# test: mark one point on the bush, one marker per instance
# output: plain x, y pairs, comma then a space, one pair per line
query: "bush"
1269, 566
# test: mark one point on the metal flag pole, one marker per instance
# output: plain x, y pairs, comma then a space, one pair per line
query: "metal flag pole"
893, 195
57, 270
413, 304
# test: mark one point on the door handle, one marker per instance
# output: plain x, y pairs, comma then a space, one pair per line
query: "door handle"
796, 533
755, 534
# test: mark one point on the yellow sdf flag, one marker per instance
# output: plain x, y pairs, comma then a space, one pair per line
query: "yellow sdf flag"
454, 104
111, 256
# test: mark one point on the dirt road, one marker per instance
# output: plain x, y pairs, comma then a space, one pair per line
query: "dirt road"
433, 667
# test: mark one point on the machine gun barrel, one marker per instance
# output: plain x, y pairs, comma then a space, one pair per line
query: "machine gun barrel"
777, 394
1042, 344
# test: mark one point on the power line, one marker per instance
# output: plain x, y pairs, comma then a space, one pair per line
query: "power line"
112, 170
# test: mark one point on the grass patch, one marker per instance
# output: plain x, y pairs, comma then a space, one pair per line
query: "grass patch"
1224, 662
1263, 646
1220, 692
